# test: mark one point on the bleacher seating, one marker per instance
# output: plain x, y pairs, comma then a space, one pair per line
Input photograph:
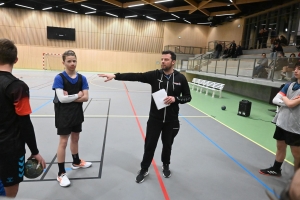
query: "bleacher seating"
201, 85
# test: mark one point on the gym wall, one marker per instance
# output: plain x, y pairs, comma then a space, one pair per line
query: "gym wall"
103, 44
227, 32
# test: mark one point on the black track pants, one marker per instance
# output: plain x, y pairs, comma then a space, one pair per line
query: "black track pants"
168, 132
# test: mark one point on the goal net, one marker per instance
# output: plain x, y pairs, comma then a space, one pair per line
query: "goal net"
52, 62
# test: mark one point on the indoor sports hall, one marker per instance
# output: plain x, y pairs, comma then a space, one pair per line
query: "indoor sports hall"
216, 155
219, 45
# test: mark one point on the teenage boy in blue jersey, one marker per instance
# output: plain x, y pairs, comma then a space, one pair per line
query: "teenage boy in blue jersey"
164, 121
287, 125
16, 128
71, 90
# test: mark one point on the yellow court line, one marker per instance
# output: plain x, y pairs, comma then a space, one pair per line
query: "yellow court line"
241, 134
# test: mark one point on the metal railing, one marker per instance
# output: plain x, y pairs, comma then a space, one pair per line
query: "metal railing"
243, 67
185, 49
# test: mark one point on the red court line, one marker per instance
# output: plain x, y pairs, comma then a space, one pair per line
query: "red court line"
161, 183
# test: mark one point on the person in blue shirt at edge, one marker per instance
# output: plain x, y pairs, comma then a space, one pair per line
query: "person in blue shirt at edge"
287, 130
71, 90
164, 121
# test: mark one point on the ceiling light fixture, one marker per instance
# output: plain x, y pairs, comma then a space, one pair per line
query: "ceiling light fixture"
225, 14
111, 14
162, 1
1, 4
136, 5
186, 21
69, 10
88, 7
24, 6
87, 13
130, 16
230, 1
151, 18
47, 8
165, 20
175, 15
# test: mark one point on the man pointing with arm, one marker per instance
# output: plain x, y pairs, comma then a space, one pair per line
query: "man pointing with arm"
164, 121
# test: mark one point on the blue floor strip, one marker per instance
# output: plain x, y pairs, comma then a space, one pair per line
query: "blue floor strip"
38, 108
232, 158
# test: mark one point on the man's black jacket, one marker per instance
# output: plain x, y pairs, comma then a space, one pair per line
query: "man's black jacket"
176, 86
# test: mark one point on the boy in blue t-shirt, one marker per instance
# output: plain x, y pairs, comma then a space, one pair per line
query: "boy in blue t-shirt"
71, 90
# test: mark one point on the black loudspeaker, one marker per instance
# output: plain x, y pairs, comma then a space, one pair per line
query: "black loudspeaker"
60, 33
244, 108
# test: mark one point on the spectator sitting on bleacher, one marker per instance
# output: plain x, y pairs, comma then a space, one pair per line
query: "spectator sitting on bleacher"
262, 65
291, 65
226, 53
218, 49
283, 40
281, 61
277, 48
238, 51
232, 48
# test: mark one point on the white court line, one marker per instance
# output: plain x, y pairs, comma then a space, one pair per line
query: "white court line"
114, 116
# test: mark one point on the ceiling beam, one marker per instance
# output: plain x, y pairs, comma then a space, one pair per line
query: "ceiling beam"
215, 4
132, 3
159, 6
192, 11
233, 3
203, 3
192, 3
75, 1
205, 12
248, 1
181, 8
224, 12
114, 2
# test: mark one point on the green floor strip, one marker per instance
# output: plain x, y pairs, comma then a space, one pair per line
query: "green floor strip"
257, 127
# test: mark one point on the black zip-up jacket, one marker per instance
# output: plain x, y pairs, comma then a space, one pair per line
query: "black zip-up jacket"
176, 86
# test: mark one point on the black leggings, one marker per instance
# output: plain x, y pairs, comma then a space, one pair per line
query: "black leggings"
168, 132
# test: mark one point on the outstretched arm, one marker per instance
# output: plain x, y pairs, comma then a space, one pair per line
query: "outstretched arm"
107, 76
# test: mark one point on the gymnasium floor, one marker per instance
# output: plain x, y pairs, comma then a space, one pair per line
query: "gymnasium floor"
216, 155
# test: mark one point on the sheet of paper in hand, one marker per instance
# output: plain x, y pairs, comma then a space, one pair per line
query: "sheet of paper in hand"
159, 97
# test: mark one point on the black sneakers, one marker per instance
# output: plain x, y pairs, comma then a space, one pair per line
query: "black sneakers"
141, 175
166, 171
270, 171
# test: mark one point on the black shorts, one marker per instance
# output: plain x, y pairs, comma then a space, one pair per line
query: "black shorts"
292, 139
11, 169
67, 131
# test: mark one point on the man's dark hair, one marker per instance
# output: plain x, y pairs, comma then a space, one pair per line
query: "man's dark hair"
68, 53
173, 55
8, 52
297, 64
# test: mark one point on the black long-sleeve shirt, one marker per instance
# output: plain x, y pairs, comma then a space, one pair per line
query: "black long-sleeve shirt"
15, 125
176, 85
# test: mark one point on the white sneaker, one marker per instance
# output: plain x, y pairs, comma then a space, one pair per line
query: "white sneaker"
63, 180
82, 164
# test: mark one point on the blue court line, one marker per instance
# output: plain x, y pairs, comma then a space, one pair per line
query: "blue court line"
232, 158
41, 106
